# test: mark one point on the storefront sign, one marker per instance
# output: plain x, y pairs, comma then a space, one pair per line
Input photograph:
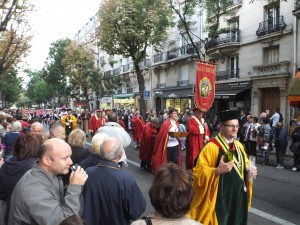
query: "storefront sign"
173, 95
124, 100
234, 85
106, 100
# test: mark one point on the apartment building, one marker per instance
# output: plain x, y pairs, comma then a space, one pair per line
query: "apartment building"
255, 52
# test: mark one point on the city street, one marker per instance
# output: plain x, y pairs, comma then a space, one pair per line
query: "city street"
275, 196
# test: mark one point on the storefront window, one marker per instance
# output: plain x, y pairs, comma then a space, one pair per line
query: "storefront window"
170, 103
185, 103
179, 104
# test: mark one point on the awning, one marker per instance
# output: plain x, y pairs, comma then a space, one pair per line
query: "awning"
294, 93
123, 96
80, 103
228, 94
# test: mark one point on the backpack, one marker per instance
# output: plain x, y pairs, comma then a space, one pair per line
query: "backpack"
280, 117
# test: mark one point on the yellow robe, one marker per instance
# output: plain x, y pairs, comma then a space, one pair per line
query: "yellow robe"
74, 121
206, 185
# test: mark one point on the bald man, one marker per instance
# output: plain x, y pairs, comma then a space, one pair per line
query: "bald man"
39, 197
119, 190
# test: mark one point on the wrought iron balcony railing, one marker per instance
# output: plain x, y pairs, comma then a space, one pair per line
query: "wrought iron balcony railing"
108, 73
182, 83
227, 74
159, 57
161, 85
229, 36
270, 26
116, 71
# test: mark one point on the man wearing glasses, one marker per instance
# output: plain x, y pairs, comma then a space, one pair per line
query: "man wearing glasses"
222, 190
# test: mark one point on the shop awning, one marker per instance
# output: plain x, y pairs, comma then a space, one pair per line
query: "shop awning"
294, 93
123, 96
80, 103
228, 94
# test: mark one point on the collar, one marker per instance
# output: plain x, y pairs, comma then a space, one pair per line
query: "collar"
109, 164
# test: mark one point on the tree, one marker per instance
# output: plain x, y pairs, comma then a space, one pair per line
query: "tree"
10, 87
129, 27
38, 91
79, 66
54, 72
14, 32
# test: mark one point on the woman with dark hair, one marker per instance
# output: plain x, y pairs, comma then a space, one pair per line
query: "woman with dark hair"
171, 195
24, 156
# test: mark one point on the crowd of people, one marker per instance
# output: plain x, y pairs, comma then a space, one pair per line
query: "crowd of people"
55, 173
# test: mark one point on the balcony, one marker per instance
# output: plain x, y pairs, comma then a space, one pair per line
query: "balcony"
145, 63
161, 85
270, 26
125, 68
227, 74
296, 11
182, 83
280, 68
225, 43
116, 71
108, 73
159, 57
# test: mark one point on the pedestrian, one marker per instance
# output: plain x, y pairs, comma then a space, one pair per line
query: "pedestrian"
197, 138
167, 147
253, 137
264, 139
10, 138
147, 143
37, 128
96, 121
111, 196
57, 131
171, 194
24, 156
222, 192
69, 121
274, 120
39, 197
296, 141
95, 157
113, 129
247, 129
85, 117
281, 142
137, 124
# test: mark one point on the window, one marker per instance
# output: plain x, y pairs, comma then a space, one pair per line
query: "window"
271, 54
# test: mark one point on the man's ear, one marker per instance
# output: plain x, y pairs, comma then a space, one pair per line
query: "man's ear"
46, 160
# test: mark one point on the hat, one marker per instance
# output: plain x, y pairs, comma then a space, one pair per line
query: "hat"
228, 115
154, 120
171, 110
196, 109
69, 109
98, 110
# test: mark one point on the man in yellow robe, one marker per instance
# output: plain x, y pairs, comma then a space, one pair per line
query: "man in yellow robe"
222, 190
69, 121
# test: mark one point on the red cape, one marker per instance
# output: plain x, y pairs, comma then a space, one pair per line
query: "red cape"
160, 147
147, 142
96, 124
194, 142
137, 124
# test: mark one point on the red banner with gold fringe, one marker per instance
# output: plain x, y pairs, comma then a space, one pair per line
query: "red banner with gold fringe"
205, 85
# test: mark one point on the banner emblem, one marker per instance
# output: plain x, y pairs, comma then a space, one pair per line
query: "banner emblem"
205, 87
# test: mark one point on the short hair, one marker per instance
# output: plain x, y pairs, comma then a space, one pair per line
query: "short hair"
97, 141
73, 220
110, 149
26, 146
265, 120
255, 119
77, 138
45, 147
16, 126
36, 124
112, 117
171, 192
54, 128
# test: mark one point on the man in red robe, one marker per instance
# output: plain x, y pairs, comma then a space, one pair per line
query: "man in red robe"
147, 142
198, 136
167, 148
96, 121
137, 124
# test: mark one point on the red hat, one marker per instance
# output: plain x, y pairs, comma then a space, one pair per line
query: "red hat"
98, 110
107, 110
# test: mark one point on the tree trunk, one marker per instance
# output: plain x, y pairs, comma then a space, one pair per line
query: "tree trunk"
141, 82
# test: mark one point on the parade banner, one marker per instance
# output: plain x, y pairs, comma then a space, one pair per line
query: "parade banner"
205, 85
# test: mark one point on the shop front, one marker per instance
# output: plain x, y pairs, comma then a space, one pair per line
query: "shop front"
106, 103
124, 101
233, 95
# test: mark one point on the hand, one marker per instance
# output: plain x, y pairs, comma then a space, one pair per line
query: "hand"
1, 161
254, 172
206, 139
224, 167
78, 177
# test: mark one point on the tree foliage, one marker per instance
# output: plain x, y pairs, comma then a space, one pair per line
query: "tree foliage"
79, 66
54, 72
128, 27
37, 90
10, 87
14, 32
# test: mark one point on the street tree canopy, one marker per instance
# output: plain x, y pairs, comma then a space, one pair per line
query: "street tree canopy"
79, 65
129, 27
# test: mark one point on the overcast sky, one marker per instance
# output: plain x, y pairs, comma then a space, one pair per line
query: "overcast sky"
56, 19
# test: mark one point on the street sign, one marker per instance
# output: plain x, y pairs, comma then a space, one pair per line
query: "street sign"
146, 94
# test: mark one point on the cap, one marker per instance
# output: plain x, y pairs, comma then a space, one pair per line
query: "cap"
228, 115
98, 110
171, 110
69, 109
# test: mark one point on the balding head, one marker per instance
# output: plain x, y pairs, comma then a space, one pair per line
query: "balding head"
111, 149
36, 128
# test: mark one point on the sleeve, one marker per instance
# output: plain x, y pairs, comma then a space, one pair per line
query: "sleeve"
127, 139
193, 127
46, 208
63, 121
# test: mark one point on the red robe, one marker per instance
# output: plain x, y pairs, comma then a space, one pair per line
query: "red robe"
159, 156
121, 123
137, 124
147, 142
194, 141
96, 123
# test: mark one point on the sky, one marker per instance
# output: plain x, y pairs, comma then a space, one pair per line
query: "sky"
53, 20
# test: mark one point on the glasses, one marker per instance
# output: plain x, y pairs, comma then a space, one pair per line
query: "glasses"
232, 126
